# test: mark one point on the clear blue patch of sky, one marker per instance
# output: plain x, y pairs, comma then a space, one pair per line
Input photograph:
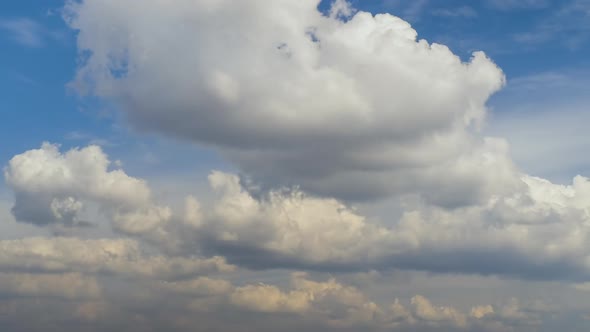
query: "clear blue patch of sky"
34, 100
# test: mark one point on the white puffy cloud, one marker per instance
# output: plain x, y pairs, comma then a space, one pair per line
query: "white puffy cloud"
52, 187
287, 224
356, 109
536, 233
76, 171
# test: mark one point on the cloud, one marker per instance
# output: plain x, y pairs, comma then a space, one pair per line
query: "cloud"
28, 32
333, 304
119, 257
68, 285
54, 188
311, 101
465, 11
518, 4
24, 31
320, 113
424, 310
507, 235
566, 26
204, 302
74, 280
202, 286
331, 108
287, 228
77, 171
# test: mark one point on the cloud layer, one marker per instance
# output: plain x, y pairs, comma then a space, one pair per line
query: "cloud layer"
149, 286
536, 232
325, 116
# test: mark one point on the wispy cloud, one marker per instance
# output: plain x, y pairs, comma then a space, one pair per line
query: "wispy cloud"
24, 31
464, 11
409, 10
518, 4
25, 79
28, 32
414, 10
89, 138
570, 25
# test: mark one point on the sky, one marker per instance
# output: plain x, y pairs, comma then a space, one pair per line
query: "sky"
213, 165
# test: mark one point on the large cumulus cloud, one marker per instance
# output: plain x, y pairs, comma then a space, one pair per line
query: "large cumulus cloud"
356, 109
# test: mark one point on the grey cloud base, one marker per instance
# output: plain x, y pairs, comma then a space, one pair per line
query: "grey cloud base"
134, 293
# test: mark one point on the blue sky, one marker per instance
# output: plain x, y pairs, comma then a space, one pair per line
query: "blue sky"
356, 180
39, 59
